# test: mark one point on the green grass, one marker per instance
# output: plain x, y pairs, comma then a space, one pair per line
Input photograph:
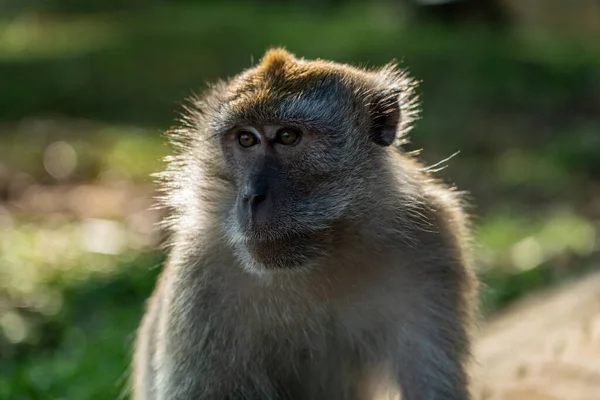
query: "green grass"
83, 351
71, 301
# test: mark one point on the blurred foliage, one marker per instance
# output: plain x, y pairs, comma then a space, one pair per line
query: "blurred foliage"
83, 350
87, 87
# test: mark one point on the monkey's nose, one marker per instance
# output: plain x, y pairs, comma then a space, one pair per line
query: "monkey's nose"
258, 205
257, 200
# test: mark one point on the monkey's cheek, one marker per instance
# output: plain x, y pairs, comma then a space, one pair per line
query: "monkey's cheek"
243, 219
241, 215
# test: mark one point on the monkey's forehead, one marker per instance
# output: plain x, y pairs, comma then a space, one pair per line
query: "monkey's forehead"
282, 88
280, 74
312, 111
318, 94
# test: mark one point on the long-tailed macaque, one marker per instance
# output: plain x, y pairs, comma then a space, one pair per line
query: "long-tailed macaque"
311, 258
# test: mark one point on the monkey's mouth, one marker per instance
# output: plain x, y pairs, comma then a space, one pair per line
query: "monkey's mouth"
283, 250
280, 241
274, 238
284, 254
272, 232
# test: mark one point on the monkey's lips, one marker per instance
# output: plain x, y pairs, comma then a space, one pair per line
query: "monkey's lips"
272, 230
278, 241
282, 251
274, 239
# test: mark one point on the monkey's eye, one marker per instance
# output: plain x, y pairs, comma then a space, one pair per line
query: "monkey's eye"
288, 136
247, 139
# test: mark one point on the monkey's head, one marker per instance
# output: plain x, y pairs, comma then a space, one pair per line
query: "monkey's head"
287, 150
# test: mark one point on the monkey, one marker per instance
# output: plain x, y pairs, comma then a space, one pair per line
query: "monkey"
311, 256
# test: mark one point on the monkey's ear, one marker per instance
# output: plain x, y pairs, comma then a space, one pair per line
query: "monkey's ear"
385, 117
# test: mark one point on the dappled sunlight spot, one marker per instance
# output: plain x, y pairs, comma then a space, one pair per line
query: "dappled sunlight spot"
527, 254
566, 231
47, 301
53, 247
524, 243
60, 160
18, 272
42, 299
14, 327
102, 236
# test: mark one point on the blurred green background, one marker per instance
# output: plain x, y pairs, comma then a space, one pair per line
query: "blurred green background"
88, 87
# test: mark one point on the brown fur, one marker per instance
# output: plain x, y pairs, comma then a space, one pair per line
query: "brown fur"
359, 282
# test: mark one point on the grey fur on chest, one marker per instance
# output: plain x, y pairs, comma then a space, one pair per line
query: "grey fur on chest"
282, 357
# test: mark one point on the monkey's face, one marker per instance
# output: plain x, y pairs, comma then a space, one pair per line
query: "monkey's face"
300, 146
292, 184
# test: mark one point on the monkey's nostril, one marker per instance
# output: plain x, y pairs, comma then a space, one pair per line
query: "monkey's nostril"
256, 199
258, 208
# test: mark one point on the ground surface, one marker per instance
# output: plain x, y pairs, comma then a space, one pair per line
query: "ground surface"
546, 347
